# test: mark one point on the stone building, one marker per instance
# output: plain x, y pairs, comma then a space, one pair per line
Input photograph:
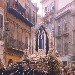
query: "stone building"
1, 28
18, 19
64, 30
60, 15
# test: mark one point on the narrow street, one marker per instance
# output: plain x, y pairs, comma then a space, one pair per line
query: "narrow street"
37, 37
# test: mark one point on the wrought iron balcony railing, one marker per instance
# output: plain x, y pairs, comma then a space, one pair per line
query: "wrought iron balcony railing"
58, 35
72, 58
21, 13
13, 43
65, 33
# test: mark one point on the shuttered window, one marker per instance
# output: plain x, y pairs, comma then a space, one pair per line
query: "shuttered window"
74, 38
1, 21
65, 48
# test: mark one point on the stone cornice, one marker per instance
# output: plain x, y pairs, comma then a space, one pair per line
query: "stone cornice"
73, 12
68, 8
43, 1
61, 14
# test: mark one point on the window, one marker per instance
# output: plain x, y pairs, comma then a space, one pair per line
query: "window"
1, 21
73, 58
59, 47
65, 25
29, 14
64, 63
33, 17
74, 20
66, 48
45, 9
26, 43
27, 11
59, 30
19, 34
52, 5
15, 31
73, 37
48, 8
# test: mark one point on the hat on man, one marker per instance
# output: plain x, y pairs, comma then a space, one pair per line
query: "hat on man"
32, 62
26, 61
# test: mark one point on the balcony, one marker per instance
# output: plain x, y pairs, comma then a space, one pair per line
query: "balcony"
1, 34
65, 33
73, 29
46, 15
13, 43
17, 52
72, 58
58, 35
19, 12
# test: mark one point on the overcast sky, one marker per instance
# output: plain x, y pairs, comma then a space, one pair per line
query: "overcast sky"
38, 5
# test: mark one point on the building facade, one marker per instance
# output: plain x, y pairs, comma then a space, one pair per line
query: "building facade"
64, 31
60, 16
19, 18
1, 28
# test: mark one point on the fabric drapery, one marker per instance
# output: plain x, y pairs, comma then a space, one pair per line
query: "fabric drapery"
47, 40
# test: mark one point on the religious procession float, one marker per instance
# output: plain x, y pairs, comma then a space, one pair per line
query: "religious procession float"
52, 60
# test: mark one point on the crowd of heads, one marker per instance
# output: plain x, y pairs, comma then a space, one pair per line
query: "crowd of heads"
26, 63
42, 66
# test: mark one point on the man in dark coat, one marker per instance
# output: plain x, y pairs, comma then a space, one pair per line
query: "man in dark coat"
26, 69
40, 69
33, 68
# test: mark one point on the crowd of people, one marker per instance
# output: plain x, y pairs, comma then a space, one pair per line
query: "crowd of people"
26, 67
